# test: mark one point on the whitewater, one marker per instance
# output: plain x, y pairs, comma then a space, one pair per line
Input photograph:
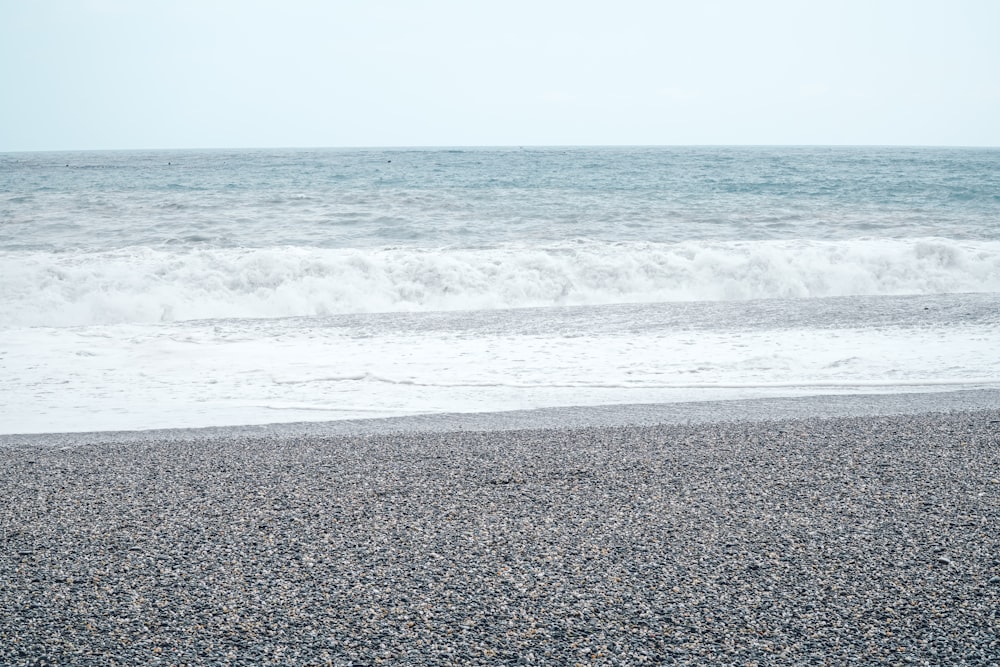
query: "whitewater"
159, 289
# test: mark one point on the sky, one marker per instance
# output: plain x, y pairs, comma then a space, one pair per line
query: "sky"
131, 74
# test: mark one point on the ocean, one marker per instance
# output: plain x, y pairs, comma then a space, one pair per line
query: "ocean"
172, 289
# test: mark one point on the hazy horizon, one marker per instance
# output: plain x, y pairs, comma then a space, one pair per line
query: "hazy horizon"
456, 147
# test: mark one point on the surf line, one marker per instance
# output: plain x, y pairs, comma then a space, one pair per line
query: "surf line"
820, 384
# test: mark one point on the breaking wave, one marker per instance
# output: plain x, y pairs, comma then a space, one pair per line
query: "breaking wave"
151, 285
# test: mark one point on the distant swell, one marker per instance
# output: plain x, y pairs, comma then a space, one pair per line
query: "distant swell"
151, 285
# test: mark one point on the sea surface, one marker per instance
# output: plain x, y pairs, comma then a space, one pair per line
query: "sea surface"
163, 289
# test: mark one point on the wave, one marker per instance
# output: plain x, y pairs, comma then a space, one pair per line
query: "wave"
145, 285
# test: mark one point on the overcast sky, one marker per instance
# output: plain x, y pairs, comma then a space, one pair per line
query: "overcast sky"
96, 74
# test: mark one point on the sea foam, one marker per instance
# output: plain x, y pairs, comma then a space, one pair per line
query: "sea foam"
144, 285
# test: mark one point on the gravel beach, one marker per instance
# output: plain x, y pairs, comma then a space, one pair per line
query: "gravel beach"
846, 540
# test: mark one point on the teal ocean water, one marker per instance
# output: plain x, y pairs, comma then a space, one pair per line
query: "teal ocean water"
187, 288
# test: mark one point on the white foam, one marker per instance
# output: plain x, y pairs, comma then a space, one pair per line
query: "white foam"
144, 285
203, 374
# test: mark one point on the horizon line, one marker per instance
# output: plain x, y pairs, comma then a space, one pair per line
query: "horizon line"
404, 147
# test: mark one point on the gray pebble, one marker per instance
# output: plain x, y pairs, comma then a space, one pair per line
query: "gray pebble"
795, 542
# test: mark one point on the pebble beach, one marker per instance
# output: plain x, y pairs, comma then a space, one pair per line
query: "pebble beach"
840, 540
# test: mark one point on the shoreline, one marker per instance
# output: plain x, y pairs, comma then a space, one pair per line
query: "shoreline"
627, 414
804, 540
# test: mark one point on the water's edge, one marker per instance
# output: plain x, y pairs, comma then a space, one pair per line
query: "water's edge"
703, 412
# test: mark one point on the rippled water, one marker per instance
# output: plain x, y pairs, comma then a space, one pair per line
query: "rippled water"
428, 198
